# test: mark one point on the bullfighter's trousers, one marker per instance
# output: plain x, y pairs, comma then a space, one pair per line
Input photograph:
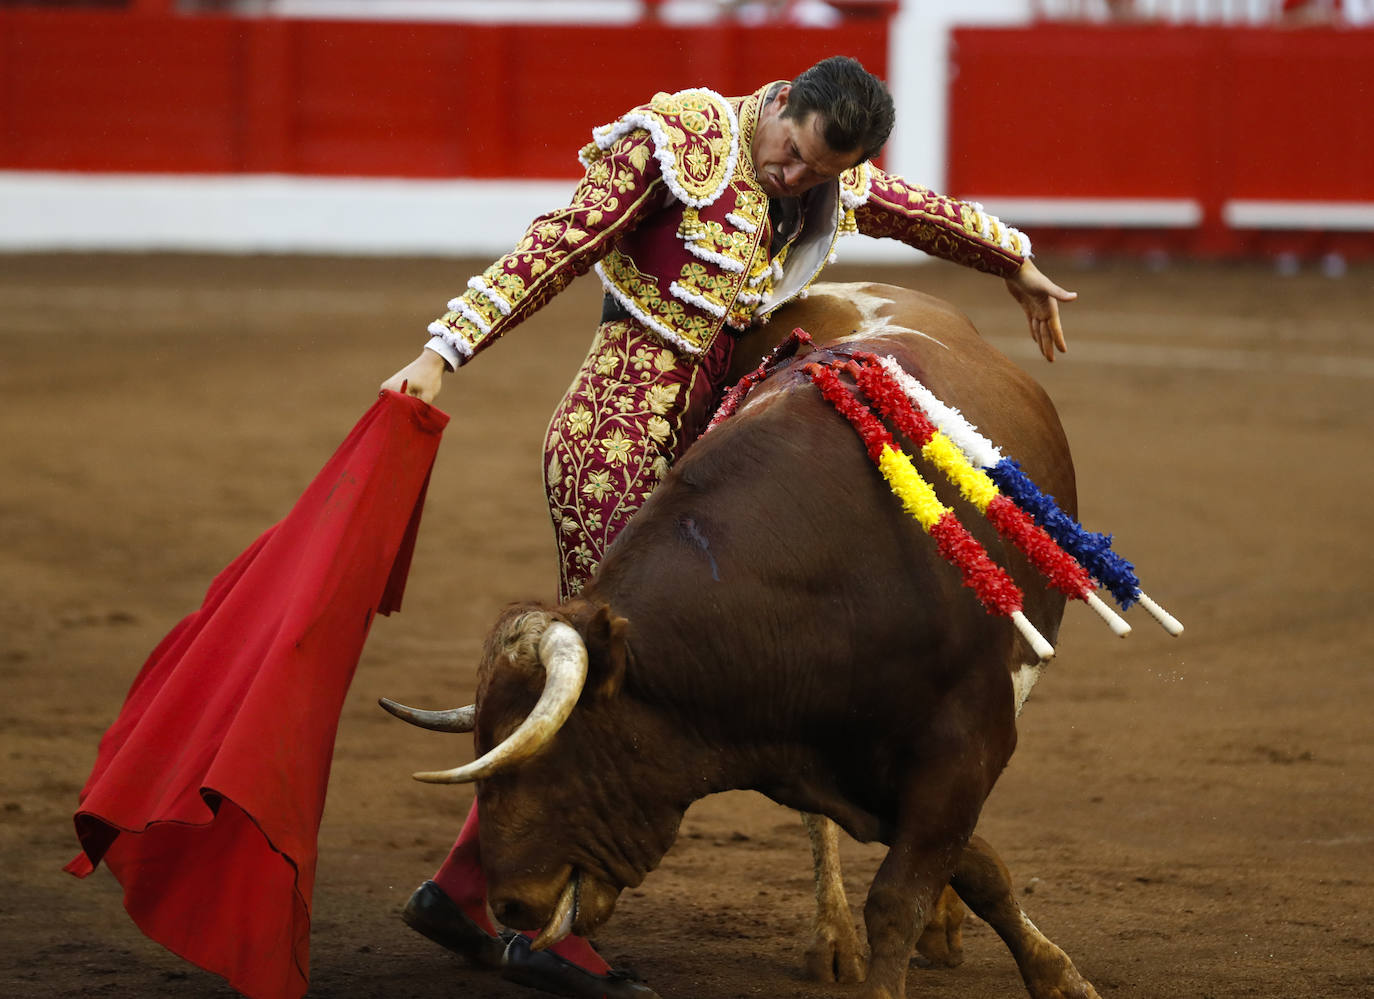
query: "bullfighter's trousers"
631, 411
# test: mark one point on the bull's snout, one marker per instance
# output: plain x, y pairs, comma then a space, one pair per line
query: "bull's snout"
557, 922
516, 914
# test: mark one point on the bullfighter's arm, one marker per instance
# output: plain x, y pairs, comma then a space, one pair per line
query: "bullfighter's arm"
621, 186
962, 232
892, 207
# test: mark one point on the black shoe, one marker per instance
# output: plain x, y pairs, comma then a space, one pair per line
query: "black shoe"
438, 917
545, 970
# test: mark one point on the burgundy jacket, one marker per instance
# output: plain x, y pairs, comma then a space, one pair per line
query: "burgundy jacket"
674, 221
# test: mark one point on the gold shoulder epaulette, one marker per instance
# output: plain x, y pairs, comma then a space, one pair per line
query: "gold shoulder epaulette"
696, 141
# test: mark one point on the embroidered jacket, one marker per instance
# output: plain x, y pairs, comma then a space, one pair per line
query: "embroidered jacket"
674, 221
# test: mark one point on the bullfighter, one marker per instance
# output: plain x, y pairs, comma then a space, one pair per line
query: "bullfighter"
701, 215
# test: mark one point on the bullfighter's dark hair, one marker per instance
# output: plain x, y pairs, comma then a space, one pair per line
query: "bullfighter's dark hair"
854, 104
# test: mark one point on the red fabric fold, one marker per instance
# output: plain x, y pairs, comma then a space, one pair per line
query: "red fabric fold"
207, 791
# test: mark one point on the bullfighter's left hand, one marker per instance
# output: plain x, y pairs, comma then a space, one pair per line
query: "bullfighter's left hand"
1040, 297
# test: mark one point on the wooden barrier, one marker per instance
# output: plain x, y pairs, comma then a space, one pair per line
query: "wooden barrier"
118, 92
1135, 138
1204, 140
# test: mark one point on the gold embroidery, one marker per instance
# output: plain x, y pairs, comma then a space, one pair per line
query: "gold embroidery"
623, 273
639, 157
610, 442
729, 243
748, 119
552, 251
691, 226
660, 398
708, 283
854, 184
854, 191
696, 125
943, 227
511, 286
692, 325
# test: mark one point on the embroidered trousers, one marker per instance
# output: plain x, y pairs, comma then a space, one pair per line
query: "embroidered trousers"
631, 411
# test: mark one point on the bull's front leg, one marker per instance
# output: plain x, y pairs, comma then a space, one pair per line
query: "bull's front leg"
835, 953
983, 882
936, 822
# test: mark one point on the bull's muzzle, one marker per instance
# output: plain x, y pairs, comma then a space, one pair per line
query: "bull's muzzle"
560, 924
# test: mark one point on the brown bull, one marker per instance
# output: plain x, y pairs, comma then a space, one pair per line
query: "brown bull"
772, 620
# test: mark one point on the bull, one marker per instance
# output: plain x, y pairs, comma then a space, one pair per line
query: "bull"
772, 620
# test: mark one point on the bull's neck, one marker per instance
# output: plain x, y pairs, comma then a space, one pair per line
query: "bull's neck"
688, 737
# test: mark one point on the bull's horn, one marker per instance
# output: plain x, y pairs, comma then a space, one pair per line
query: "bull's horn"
560, 924
453, 720
564, 657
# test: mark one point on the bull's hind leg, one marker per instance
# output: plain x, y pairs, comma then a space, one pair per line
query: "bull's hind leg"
835, 954
982, 881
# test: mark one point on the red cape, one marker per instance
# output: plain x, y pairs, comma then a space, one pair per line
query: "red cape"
207, 791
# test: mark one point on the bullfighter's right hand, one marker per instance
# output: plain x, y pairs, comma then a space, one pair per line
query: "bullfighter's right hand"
422, 377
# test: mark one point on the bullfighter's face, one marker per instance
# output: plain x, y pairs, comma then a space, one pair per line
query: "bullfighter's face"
790, 155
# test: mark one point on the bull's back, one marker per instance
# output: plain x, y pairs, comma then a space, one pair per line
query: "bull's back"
940, 346
776, 527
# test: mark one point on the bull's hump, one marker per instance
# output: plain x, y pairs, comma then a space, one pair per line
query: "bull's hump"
877, 308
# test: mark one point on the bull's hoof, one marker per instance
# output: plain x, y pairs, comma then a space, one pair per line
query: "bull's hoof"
1071, 986
433, 914
1049, 974
831, 958
941, 944
546, 971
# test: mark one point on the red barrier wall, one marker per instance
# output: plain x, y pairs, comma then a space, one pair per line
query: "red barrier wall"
1217, 115
1206, 116
115, 92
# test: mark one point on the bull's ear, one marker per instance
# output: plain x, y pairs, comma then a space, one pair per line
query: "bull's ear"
604, 634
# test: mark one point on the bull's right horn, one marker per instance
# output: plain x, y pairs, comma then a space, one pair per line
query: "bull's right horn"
564, 658
453, 720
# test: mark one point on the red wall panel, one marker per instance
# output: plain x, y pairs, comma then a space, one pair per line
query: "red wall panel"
1156, 112
122, 93
1076, 111
371, 99
110, 92
1300, 119
1212, 115
1207, 114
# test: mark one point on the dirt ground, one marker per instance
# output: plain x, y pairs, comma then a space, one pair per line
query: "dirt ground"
1187, 817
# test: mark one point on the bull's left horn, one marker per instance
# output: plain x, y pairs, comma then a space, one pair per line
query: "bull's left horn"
564, 657
453, 720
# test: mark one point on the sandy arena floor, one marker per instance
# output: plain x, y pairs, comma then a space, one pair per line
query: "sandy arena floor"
1187, 818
